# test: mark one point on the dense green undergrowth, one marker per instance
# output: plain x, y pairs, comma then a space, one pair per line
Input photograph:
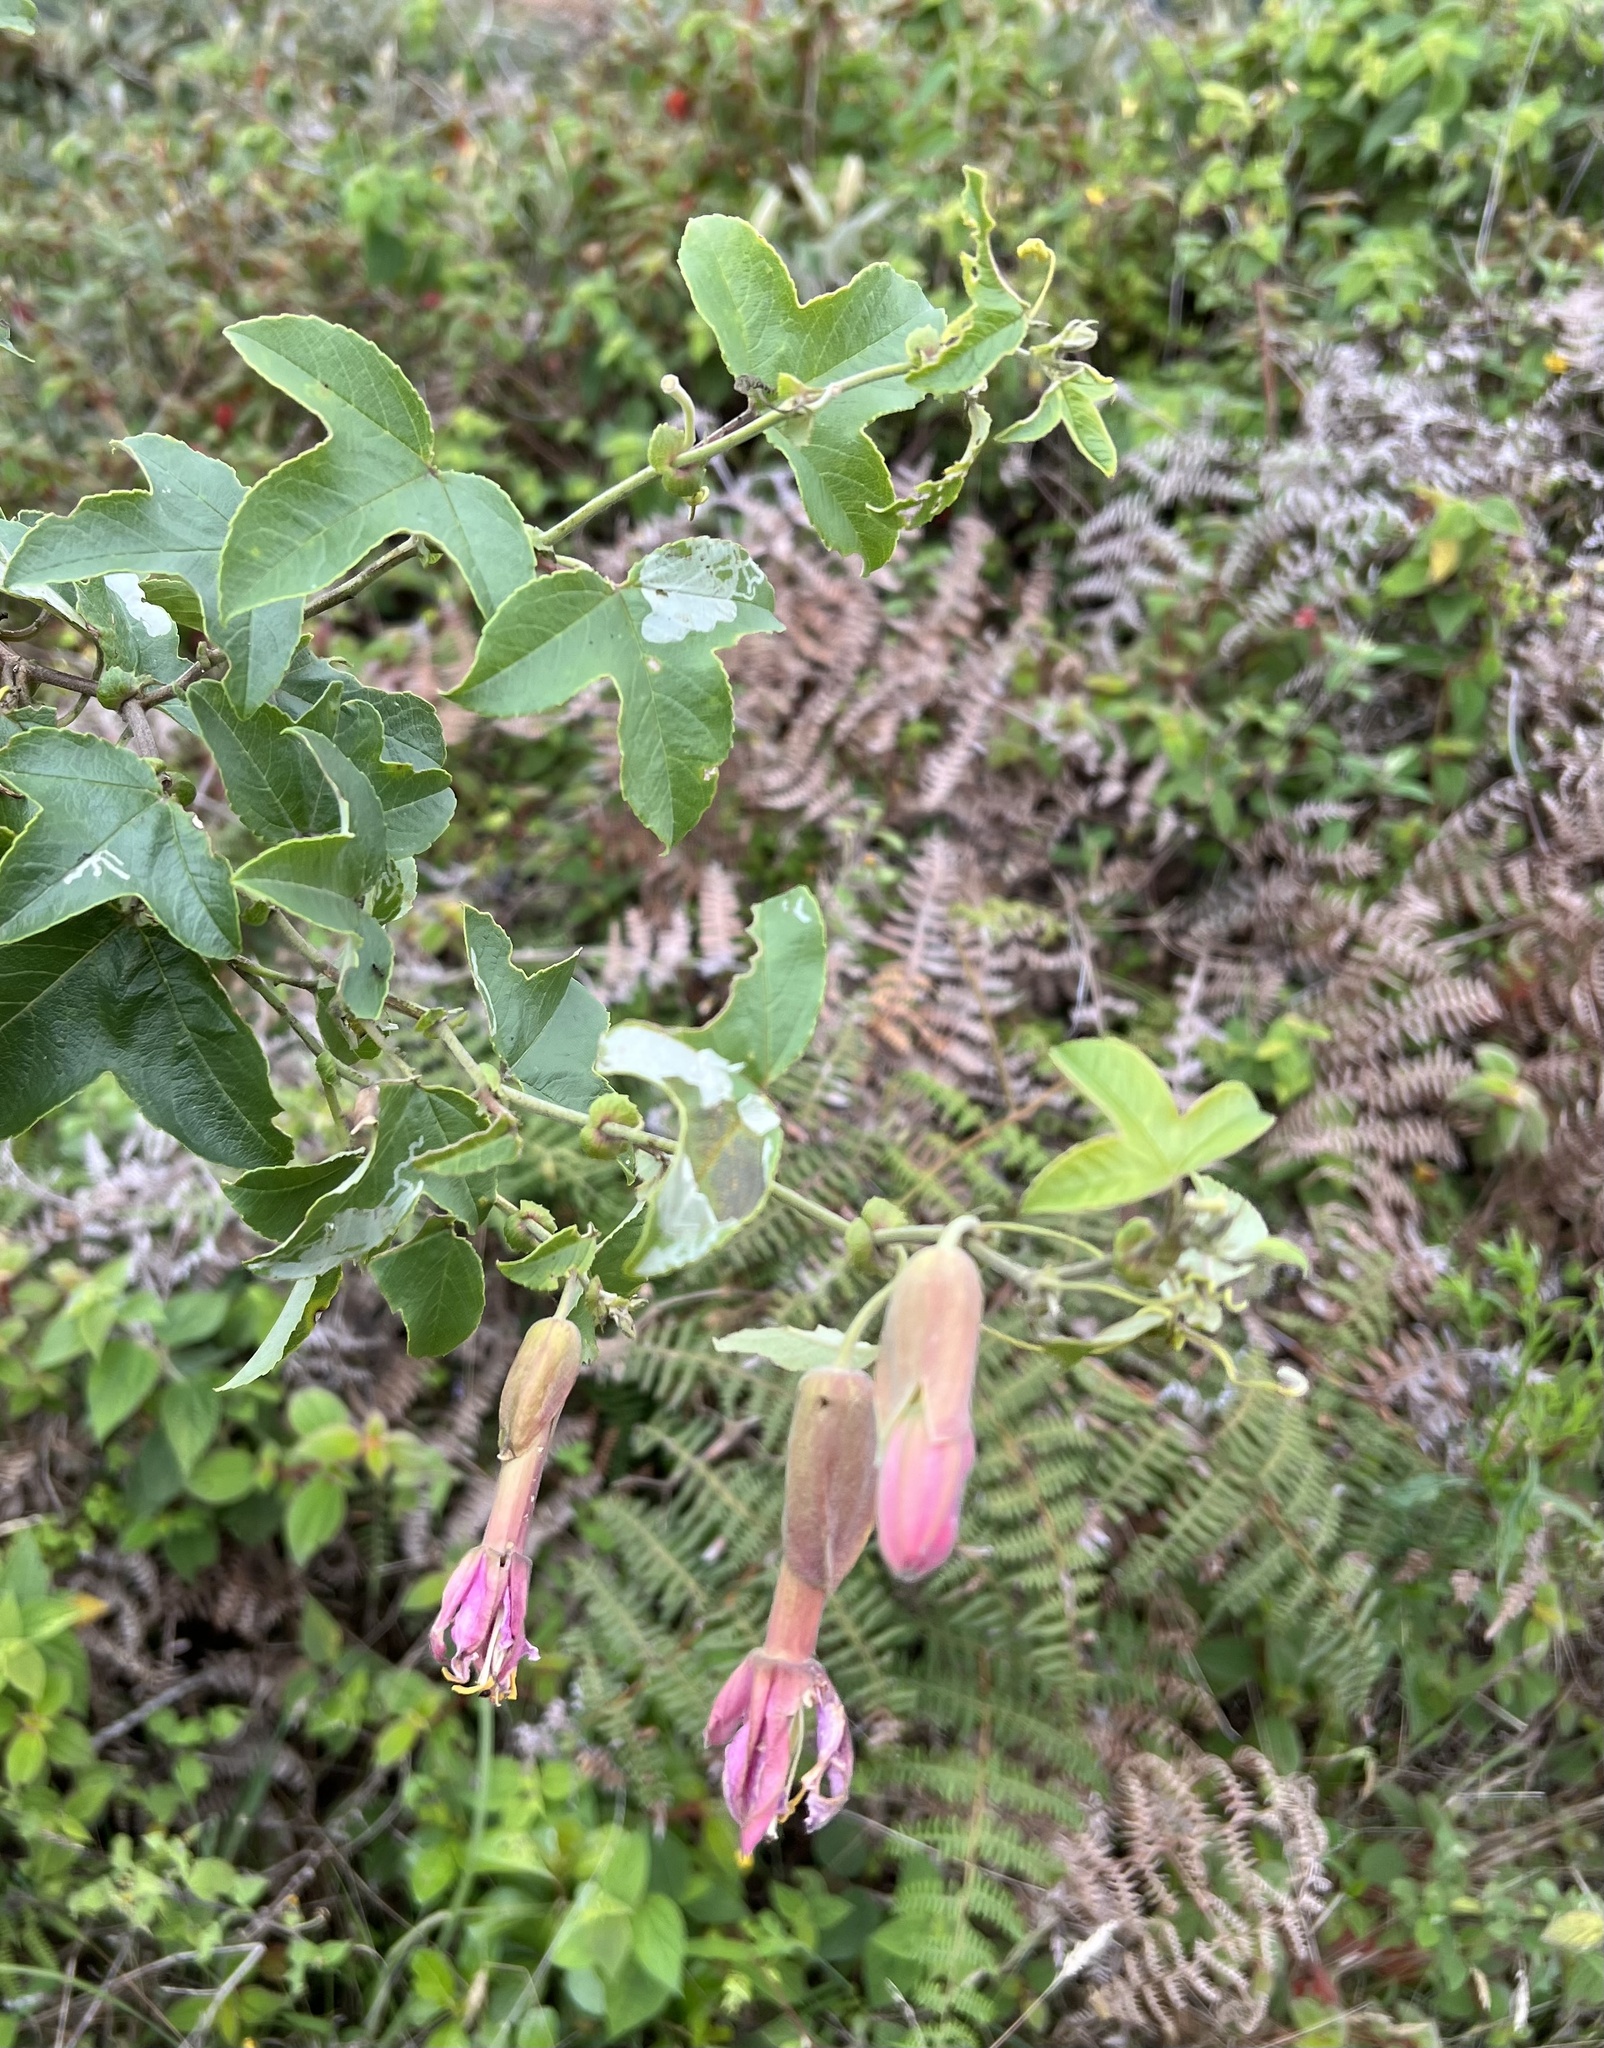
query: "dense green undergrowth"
248, 1809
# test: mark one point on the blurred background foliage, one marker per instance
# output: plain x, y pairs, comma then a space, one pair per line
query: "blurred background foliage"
1279, 754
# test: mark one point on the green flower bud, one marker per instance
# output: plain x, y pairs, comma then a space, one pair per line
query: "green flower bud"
538, 1384
829, 1476
608, 1109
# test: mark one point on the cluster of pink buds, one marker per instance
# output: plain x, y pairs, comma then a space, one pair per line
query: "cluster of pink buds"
894, 1454
478, 1636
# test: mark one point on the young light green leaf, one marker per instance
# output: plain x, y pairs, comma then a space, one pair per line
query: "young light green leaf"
544, 1025
992, 325
938, 494
290, 1326
744, 292
769, 1016
176, 528
313, 518
18, 18
549, 1265
657, 637
1071, 403
101, 994
436, 1284
797, 1350
324, 880
104, 830
729, 1146
1154, 1145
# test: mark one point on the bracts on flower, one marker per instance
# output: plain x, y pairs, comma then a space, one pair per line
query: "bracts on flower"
924, 1391
760, 1715
478, 1636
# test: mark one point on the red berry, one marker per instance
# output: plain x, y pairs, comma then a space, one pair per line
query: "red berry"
677, 103
429, 300
1306, 618
222, 416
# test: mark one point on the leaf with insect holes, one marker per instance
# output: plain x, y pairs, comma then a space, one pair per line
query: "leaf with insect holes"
744, 292
1153, 1144
102, 995
657, 636
316, 516
174, 529
729, 1145
103, 830
995, 321
769, 1016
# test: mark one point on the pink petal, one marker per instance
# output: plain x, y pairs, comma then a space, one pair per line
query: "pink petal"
919, 1497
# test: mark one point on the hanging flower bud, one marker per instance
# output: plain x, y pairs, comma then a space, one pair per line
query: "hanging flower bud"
829, 1476
924, 1390
478, 1636
761, 1713
537, 1386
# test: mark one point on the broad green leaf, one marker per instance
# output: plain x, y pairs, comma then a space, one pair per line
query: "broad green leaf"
995, 321
314, 1517
412, 734
659, 1939
729, 1146
20, 18
274, 1200
313, 518
436, 1284
176, 528
119, 1381
797, 1350
769, 1016
545, 1025
549, 1265
744, 292
938, 494
657, 637
190, 1415
416, 803
104, 830
1153, 1147
363, 1211
1071, 403
100, 994
274, 783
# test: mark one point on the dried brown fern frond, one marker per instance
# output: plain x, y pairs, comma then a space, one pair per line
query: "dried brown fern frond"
1175, 1842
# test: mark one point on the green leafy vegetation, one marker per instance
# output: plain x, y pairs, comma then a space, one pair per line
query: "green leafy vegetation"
1170, 875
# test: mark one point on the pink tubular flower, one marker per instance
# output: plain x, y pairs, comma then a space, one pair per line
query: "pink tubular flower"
478, 1635
924, 1390
761, 1712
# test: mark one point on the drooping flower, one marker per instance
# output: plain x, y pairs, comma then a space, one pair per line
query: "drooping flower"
478, 1636
761, 1715
924, 1392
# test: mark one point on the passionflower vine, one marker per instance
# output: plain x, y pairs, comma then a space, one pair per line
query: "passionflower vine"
924, 1393
760, 1716
478, 1636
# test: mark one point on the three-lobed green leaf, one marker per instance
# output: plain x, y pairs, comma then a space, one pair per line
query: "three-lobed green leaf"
773, 1006
1153, 1144
545, 1026
744, 292
657, 637
314, 517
